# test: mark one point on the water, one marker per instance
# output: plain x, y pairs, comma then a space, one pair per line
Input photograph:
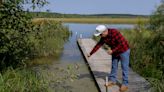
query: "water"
87, 31
72, 55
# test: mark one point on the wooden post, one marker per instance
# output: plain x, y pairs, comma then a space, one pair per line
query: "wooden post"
81, 36
76, 35
106, 83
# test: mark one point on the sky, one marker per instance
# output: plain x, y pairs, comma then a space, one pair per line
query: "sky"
143, 7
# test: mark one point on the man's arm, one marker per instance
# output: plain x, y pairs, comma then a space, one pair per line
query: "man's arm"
97, 46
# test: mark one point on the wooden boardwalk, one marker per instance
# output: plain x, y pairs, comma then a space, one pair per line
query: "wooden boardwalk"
100, 66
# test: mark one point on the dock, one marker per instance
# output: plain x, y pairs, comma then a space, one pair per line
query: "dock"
100, 67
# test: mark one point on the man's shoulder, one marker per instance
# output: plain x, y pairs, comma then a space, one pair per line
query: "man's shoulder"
113, 30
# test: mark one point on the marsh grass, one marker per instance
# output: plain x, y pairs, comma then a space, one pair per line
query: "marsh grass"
147, 52
36, 80
97, 20
21, 80
53, 35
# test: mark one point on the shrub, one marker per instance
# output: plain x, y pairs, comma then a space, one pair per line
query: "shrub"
15, 31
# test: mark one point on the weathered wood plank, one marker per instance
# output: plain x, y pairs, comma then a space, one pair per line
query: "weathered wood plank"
100, 65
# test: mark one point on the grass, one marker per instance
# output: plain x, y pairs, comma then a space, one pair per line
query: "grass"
52, 36
36, 80
97, 20
42, 61
146, 52
21, 80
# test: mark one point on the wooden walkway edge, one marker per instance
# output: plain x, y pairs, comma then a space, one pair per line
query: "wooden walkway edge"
100, 66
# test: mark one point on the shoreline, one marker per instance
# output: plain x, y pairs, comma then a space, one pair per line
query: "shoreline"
96, 20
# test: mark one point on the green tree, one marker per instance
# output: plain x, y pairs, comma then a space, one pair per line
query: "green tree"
157, 19
16, 32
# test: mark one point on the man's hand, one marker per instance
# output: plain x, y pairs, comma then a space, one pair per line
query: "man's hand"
110, 52
88, 55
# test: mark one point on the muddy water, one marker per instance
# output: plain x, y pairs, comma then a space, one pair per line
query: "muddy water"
72, 56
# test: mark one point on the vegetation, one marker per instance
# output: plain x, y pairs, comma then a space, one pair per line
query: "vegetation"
28, 80
53, 36
49, 14
147, 52
22, 80
157, 19
22, 41
90, 18
95, 20
15, 30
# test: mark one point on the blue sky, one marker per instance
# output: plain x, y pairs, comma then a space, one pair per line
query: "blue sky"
144, 7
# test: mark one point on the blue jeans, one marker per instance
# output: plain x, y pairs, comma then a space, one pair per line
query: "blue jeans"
124, 57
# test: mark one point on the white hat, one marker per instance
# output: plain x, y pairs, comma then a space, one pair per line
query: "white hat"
100, 29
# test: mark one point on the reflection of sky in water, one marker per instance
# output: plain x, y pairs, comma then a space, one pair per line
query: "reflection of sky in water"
88, 29
71, 51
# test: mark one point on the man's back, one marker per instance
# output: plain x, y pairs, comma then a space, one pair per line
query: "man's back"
115, 40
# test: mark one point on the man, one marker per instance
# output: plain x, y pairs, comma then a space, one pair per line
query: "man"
119, 51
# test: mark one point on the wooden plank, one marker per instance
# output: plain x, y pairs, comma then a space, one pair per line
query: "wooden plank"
100, 65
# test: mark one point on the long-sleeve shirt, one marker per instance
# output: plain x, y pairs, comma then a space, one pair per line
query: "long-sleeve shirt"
115, 40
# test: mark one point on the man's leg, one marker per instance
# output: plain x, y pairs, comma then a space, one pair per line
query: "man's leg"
125, 66
113, 75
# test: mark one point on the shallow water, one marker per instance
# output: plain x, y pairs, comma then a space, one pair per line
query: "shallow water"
71, 55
